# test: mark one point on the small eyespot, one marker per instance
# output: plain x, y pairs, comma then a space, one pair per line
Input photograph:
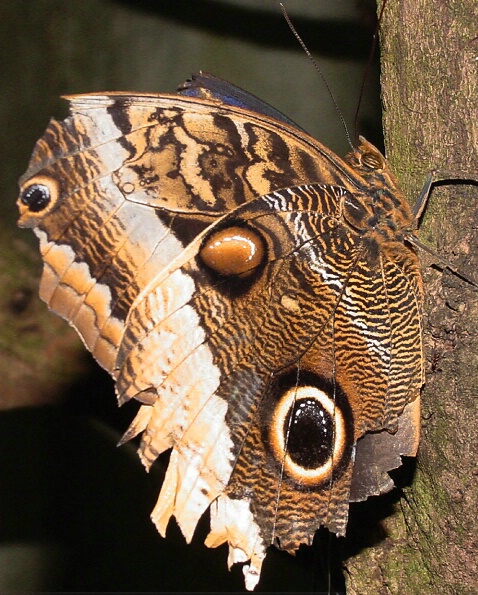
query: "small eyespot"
36, 197
233, 251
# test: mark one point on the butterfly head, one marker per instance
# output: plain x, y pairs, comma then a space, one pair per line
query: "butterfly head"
384, 210
369, 162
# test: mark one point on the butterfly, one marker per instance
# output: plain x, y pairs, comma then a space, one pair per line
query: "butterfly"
257, 294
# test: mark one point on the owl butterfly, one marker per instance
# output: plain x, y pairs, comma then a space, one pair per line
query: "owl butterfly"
253, 291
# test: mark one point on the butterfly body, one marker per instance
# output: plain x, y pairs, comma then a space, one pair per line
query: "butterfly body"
251, 289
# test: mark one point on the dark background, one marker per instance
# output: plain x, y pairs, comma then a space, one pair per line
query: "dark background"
74, 510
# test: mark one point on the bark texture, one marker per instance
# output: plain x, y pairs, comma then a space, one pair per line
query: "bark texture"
429, 87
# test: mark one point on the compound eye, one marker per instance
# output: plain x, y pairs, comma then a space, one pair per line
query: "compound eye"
373, 160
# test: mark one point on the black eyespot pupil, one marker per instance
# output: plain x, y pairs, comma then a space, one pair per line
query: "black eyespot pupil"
311, 434
36, 197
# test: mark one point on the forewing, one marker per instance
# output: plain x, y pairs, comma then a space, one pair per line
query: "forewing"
120, 187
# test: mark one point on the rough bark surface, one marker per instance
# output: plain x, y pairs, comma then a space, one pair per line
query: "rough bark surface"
429, 86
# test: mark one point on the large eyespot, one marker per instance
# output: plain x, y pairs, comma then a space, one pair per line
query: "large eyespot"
308, 434
233, 251
37, 196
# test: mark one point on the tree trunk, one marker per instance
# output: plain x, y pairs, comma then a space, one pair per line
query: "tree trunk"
429, 87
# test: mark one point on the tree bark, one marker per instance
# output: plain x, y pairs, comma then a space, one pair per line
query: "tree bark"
429, 91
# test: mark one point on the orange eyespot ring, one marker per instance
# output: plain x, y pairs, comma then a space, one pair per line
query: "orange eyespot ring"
327, 417
233, 251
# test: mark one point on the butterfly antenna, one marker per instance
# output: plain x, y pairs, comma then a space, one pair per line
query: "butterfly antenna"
368, 68
317, 68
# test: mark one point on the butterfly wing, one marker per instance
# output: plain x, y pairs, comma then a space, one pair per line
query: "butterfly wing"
267, 383
118, 189
208, 86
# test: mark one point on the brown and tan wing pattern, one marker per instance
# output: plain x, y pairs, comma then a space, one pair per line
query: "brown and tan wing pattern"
96, 180
270, 328
266, 382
